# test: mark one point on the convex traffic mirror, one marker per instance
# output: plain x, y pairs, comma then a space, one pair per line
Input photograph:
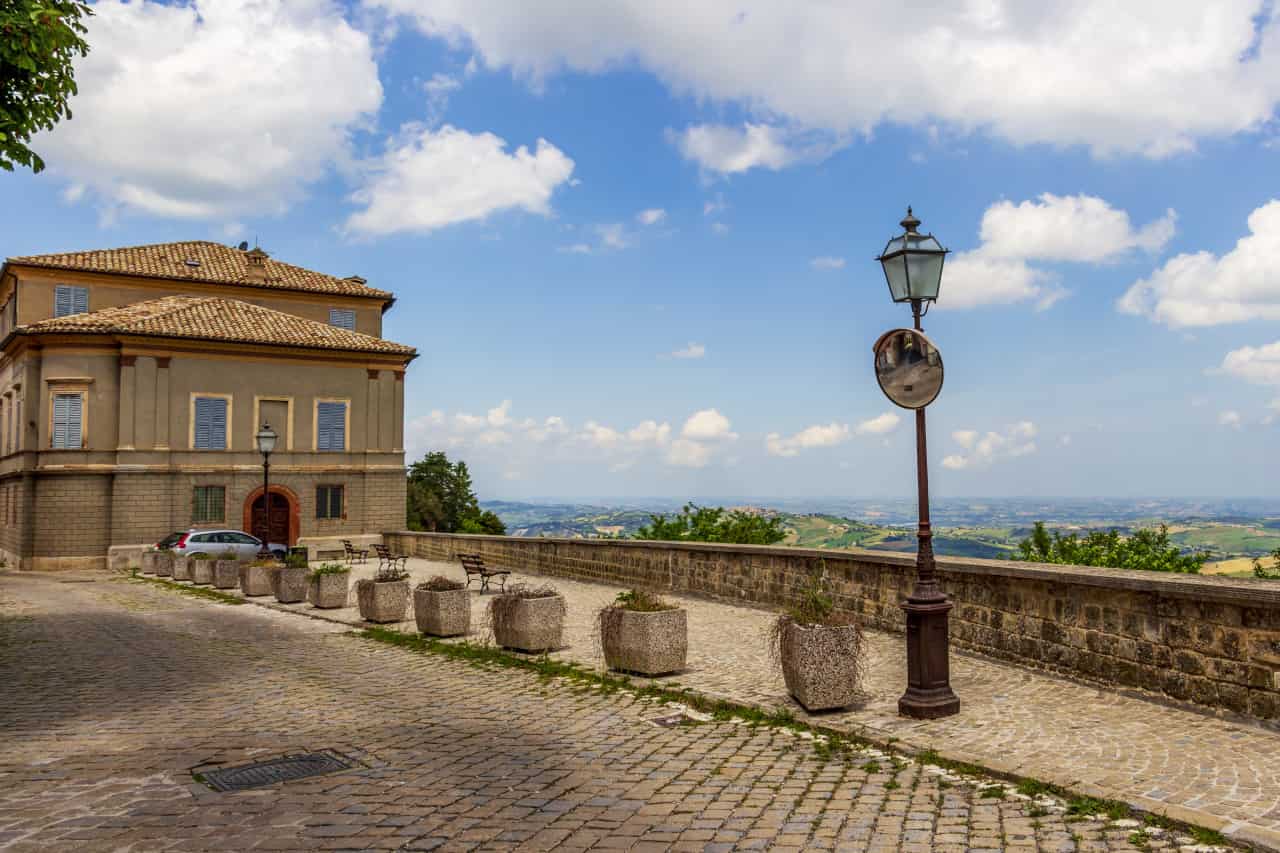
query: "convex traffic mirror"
908, 368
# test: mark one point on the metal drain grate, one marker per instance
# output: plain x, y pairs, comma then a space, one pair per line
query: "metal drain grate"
284, 769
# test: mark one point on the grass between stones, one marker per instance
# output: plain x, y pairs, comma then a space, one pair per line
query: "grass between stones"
193, 591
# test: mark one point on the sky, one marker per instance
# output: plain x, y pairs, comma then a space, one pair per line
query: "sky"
634, 241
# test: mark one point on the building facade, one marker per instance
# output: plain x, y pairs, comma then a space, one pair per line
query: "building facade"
133, 381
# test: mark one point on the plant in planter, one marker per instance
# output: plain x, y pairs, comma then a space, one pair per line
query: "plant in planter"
329, 585
291, 580
201, 568
528, 619
226, 570
442, 607
385, 596
255, 577
639, 632
822, 654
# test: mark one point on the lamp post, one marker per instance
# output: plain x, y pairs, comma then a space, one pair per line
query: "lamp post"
912, 265
265, 438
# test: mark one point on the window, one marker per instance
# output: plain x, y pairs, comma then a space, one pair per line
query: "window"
210, 428
343, 318
208, 504
329, 502
331, 426
68, 412
69, 299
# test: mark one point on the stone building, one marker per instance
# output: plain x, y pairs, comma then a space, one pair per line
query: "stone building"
132, 383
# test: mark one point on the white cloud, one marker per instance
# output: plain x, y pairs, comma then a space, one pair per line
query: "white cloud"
880, 424
693, 350
1202, 289
650, 432
1229, 418
438, 89
715, 205
576, 249
707, 425
213, 108
819, 435
429, 179
685, 453
499, 415
983, 450
1079, 228
1260, 365
719, 229
727, 150
613, 236
826, 262
651, 216
1149, 78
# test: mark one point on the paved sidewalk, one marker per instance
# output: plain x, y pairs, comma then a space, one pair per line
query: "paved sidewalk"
115, 691
1181, 762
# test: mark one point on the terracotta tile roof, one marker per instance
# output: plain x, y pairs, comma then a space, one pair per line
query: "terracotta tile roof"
201, 260
213, 318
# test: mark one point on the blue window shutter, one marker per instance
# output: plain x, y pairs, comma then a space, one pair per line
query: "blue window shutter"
211, 423
74, 438
342, 318
69, 299
59, 420
67, 418
331, 426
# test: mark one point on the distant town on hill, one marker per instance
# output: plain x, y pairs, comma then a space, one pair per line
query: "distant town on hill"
1230, 531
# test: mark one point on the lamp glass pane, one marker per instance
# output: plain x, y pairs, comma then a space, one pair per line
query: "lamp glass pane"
926, 275
266, 440
895, 272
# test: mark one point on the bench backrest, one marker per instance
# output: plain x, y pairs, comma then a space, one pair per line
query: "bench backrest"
472, 562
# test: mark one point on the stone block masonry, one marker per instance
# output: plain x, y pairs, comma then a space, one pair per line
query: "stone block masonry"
1211, 641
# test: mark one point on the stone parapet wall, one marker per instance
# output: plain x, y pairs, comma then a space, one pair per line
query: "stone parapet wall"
1207, 640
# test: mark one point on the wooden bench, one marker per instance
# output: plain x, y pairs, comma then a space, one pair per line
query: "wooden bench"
388, 560
473, 565
352, 554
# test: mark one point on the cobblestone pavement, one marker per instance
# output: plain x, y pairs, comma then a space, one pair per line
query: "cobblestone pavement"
115, 691
1109, 743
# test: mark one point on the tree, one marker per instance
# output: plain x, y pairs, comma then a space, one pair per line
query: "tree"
713, 524
1261, 571
1147, 549
440, 497
39, 40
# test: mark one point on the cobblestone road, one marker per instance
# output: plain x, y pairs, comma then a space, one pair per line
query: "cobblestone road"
115, 691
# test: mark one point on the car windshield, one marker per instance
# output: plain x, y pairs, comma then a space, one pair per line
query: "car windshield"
169, 541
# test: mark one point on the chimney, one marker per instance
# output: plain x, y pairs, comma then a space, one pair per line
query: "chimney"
257, 270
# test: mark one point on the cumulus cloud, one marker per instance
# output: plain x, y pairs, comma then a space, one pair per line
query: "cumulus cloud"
727, 150
707, 425
1229, 418
1203, 289
693, 350
1260, 365
1151, 80
213, 108
826, 262
651, 216
981, 450
429, 179
1079, 228
828, 435
685, 453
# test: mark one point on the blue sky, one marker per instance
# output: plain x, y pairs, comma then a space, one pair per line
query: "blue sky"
634, 242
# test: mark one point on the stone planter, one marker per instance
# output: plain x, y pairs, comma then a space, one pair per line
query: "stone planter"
820, 664
181, 567
201, 570
383, 601
158, 563
329, 591
533, 625
290, 584
255, 580
646, 642
226, 573
444, 613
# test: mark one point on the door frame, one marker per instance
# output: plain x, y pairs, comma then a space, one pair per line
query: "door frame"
295, 517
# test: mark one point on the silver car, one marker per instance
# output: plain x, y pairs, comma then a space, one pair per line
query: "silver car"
215, 542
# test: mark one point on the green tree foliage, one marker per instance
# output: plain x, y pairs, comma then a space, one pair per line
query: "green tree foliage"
39, 40
1147, 549
441, 498
713, 524
1261, 571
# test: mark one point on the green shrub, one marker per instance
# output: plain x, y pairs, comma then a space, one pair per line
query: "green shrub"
440, 583
330, 569
1146, 549
641, 600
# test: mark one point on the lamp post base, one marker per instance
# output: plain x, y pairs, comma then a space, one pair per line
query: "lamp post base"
929, 695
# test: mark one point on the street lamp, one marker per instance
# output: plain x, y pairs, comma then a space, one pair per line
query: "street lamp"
909, 369
265, 438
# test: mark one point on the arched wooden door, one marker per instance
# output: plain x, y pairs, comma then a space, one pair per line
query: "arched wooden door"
280, 525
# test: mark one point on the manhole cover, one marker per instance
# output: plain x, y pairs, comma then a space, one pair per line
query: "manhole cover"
274, 770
